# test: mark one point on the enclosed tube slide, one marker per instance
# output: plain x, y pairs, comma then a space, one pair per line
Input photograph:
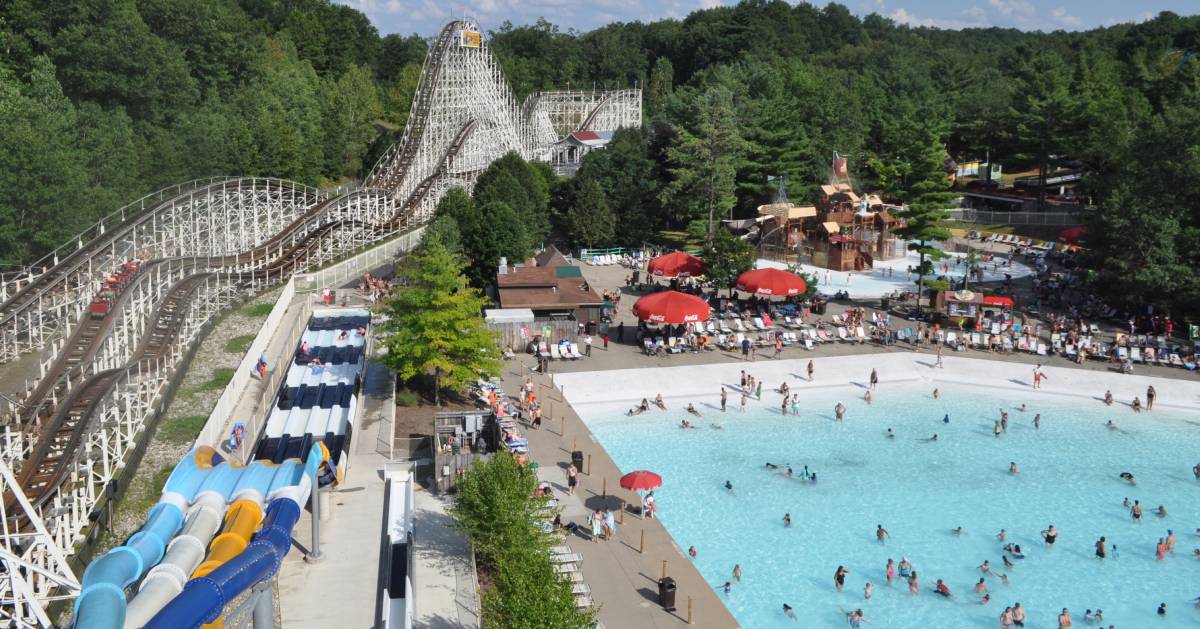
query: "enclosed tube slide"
203, 481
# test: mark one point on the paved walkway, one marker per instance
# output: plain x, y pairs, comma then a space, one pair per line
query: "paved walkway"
443, 577
624, 581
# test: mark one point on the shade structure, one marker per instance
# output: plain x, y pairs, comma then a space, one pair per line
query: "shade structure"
675, 264
997, 300
1072, 235
771, 282
671, 307
641, 479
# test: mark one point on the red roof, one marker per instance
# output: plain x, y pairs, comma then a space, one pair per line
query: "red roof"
583, 136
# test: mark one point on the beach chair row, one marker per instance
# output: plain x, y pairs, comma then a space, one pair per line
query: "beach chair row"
567, 563
605, 260
559, 351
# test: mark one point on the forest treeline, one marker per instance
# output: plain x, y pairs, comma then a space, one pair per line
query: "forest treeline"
106, 100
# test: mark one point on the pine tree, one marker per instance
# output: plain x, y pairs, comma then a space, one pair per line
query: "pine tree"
705, 162
434, 325
922, 228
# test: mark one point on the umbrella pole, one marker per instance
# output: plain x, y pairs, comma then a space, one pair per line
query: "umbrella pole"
642, 545
604, 488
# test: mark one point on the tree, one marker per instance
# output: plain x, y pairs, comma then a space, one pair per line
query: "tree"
443, 230
435, 325
705, 162
489, 233
513, 181
1041, 111
726, 257
589, 221
660, 87
922, 228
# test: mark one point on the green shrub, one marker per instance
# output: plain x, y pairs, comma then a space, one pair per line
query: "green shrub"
407, 398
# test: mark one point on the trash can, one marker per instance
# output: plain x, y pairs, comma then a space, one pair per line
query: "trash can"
577, 460
666, 593
884, 303
819, 307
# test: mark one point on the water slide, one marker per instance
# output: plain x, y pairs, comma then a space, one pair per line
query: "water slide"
171, 548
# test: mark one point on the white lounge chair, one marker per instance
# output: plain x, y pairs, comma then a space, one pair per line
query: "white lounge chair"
860, 334
842, 334
554, 353
1135, 354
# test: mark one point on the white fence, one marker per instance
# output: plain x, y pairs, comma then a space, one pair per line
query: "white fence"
354, 266
214, 428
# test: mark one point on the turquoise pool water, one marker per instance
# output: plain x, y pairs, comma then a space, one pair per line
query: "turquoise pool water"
919, 491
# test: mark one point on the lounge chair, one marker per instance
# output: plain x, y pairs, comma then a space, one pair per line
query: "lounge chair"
860, 334
842, 334
739, 326
544, 350
565, 568
758, 323
824, 336
554, 353
724, 326
1041, 349
574, 559
808, 344
1174, 359
976, 340
1135, 354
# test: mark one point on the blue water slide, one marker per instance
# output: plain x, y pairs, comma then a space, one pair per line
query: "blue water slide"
101, 604
203, 599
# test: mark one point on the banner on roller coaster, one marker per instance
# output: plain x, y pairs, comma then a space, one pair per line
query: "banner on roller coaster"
470, 39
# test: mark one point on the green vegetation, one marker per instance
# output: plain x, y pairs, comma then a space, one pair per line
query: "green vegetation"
407, 398
239, 344
142, 494
924, 227
181, 430
258, 310
497, 510
727, 257
435, 326
220, 378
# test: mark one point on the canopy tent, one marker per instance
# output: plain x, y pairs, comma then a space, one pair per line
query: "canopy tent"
997, 300
1072, 235
676, 264
671, 307
772, 282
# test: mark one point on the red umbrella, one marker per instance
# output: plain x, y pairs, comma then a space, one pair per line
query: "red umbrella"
675, 264
641, 479
1072, 235
671, 307
771, 282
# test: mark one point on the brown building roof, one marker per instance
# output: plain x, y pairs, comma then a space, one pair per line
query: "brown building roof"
544, 288
551, 257
527, 276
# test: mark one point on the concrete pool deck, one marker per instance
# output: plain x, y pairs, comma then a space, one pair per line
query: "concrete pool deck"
701, 383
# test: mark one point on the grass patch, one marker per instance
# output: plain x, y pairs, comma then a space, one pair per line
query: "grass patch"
239, 344
258, 310
406, 398
181, 430
220, 378
679, 240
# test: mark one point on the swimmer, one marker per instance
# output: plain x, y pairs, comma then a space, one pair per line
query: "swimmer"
692, 409
1161, 512
958, 531
914, 585
946, 418
1171, 541
1137, 405
1008, 565
933, 439
692, 552
1128, 505
1022, 409
772, 466
868, 590
981, 586
881, 533
686, 424
840, 411
1108, 398
1015, 551
985, 567
716, 426
796, 404
839, 577
1196, 471
890, 434
783, 388
1004, 577
855, 618
1037, 421
1001, 535
936, 394
812, 478
787, 609
1064, 619
1110, 425
1101, 551
787, 519
942, 588
1050, 535
867, 396
1127, 477
1012, 468
729, 487
728, 587
787, 474
658, 401
905, 567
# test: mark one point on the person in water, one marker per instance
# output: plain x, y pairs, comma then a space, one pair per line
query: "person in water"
787, 519
890, 434
729, 487
936, 394
942, 588
881, 533
786, 474
839, 577
1050, 535
933, 439
787, 610
772, 466
946, 418
1108, 398
658, 401
958, 531
692, 409
1110, 425
867, 396
1037, 421
840, 411
1135, 511
1012, 468
1127, 477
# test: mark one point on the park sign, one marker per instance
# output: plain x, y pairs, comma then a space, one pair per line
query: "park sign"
470, 39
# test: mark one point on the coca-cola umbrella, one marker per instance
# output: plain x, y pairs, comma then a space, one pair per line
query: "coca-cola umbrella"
672, 307
676, 264
641, 480
771, 282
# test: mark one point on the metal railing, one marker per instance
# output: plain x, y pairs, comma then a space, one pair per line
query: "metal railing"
354, 266
412, 448
989, 217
